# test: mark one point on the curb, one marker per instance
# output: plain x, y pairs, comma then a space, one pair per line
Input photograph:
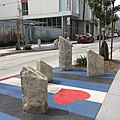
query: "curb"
24, 51
14, 52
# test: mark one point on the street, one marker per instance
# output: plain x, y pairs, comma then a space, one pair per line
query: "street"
12, 64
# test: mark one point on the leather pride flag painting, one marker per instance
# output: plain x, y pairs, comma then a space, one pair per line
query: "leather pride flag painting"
24, 0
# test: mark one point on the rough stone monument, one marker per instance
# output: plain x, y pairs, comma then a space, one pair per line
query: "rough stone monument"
39, 43
95, 64
65, 54
56, 43
45, 69
68, 38
34, 91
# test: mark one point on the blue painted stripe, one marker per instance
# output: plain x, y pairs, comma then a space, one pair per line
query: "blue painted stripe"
75, 72
82, 73
4, 116
10, 90
86, 108
18, 76
108, 76
81, 84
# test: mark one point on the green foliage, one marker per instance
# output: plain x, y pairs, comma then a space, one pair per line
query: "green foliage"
103, 11
27, 47
104, 50
81, 62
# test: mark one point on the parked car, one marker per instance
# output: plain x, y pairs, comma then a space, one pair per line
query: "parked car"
115, 34
87, 38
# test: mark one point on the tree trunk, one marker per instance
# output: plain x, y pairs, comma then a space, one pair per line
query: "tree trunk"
112, 30
100, 26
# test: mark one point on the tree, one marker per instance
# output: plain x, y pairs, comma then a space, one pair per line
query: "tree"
104, 11
19, 26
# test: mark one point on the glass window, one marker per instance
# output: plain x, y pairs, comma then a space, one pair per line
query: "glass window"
24, 8
68, 5
49, 21
59, 24
63, 5
44, 22
54, 22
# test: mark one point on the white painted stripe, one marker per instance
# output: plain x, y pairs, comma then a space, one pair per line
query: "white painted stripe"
95, 96
12, 81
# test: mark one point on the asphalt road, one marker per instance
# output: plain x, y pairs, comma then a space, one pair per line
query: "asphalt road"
12, 64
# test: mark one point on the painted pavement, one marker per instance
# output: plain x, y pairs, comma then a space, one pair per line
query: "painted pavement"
77, 96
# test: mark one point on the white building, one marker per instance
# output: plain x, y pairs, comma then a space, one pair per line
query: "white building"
51, 17
117, 26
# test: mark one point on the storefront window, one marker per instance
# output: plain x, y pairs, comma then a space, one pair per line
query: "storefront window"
24, 8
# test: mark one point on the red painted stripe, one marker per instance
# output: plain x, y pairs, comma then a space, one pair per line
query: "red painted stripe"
9, 77
15, 76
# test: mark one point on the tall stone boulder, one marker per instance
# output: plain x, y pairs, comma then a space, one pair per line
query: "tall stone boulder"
65, 54
95, 64
56, 43
45, 69
68, 38
34, 91
39, 43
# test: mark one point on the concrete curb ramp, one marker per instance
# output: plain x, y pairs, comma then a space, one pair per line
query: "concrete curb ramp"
110, 109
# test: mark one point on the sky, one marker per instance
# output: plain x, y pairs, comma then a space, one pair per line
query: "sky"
117, 2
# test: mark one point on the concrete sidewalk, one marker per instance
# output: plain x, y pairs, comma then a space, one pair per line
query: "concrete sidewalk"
44, 47
110, 109
35, 48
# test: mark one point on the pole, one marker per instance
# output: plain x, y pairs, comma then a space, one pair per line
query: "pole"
84, 1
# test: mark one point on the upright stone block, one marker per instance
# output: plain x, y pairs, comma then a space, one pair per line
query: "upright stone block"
34, 91
68, 38
65, 54
39, 43
45, 69
56, 43
95, 64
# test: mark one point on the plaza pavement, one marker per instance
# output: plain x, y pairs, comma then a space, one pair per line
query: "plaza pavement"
102, 104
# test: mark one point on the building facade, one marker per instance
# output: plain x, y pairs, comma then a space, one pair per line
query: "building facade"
48, 18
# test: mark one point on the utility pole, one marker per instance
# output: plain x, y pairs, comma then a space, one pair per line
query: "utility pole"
84, 1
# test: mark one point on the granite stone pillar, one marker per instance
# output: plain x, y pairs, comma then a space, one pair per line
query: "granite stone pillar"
34, 90
65, 54
45, 69
95, 64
